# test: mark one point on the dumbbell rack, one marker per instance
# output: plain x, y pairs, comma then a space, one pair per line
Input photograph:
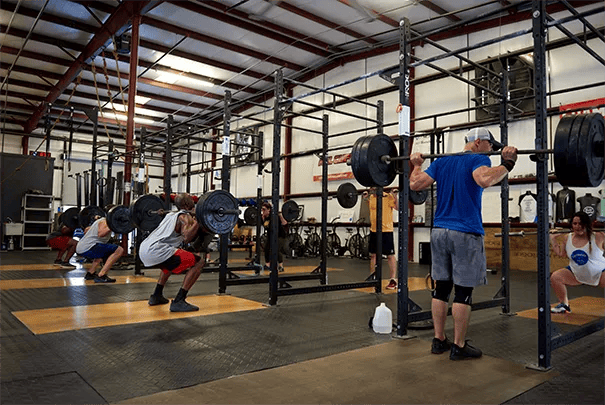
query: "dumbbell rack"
36, 215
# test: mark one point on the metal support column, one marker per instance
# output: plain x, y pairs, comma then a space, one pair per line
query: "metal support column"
544, 321
225, 185
404, 177
275, 169
324, 201
94, 118
168, 163
504, 195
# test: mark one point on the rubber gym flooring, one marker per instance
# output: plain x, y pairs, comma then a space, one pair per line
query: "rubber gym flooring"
63, 340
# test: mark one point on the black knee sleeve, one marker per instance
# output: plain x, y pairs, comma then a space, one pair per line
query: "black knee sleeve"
463, 295
443, 288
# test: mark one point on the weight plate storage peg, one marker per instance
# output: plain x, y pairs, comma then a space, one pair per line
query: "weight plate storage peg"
217, 212
143, 212
89, 215
119, 220
347, 195
367, 164
71, 218
290, 210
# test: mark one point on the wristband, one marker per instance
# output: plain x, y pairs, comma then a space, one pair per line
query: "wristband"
508, 164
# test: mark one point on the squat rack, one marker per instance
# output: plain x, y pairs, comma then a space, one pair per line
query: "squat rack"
546, 343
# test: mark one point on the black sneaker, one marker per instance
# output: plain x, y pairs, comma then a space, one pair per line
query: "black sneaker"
90, 276
58, 261
280, 269
440, 346
466, 352
182, 306
66, 265
104, 279
560, 309
157, 300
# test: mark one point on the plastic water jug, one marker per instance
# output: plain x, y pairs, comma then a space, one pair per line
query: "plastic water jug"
383, 319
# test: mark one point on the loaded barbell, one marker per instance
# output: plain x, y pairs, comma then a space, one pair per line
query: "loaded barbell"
578, 151
215, 211
290, 210
347, 196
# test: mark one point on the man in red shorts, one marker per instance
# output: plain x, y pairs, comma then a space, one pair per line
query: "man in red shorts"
161, 248
62, 240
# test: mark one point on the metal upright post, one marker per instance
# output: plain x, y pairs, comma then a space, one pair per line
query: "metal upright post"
544, 321
94, 117
404, 177
504, 194
275, 169
168, 163
259, 196
188, 168
225, 185
324, 201
379, 209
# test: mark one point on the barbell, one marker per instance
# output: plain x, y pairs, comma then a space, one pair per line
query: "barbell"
523, 233
578, 151
347, 195
215, 211
290, 210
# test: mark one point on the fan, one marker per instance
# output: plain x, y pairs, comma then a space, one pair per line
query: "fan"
520, 87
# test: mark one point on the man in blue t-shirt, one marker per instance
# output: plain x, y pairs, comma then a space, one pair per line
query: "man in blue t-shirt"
458, 256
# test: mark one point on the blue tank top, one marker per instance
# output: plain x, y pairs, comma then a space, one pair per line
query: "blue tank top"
458, 195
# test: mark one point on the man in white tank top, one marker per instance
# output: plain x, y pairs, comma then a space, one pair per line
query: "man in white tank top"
161, 248
93, 245
584, 248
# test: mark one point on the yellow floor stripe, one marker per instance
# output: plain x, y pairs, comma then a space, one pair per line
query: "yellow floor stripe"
414, 284
121, 313
49, 266
68, 282
583, 311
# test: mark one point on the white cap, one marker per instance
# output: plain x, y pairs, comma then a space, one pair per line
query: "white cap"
482, 133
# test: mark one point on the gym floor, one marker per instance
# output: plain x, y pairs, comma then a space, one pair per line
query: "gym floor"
64, 340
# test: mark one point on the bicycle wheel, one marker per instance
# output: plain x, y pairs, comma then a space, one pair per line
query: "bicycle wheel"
313, 243
354, 245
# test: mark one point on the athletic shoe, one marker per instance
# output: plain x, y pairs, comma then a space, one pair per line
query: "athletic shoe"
182, 306
463, 353
157, 300
58, 261
560, 309
90, 276
392, 285
104, 279
440, 346
280, 268
66, 265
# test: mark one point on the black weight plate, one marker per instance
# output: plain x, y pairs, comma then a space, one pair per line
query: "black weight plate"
216, 212
290, 210
359, 163
371, 169
250, 215
347, 195
141, 215
119, 221
562, 170
70, 218
89, 215
573, 159
590, 164
418, 197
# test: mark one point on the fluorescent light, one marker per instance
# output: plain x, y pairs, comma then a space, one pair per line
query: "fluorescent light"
120, 107
171, 78
122, 117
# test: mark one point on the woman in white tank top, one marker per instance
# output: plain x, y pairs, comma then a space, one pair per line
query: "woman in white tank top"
584, 248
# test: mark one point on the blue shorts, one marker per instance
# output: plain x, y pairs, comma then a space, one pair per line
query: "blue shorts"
459, 257
100, 251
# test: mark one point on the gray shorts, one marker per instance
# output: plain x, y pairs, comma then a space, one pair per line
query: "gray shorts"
458, 256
